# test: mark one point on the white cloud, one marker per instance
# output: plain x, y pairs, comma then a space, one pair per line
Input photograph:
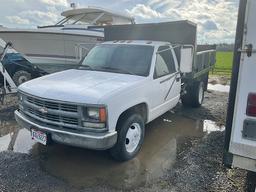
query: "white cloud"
216, 19
141, 10
63, 3
18, 20
31, 13
40, 17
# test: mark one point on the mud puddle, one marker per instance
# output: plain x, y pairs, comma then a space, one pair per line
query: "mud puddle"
87, 168
219, 87
13, 138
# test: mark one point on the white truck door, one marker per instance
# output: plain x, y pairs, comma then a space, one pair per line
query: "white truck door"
242, 144
166, 82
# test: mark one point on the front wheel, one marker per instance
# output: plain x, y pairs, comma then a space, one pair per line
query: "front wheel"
130, 132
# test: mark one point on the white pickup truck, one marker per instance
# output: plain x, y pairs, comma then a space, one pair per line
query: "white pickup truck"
120, 86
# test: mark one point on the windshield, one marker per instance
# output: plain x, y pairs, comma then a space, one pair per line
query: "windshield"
130, 59
74, 19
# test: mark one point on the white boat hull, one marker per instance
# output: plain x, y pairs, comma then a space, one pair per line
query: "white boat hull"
52, 47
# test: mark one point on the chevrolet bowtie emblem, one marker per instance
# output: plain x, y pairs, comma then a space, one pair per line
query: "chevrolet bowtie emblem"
43, 110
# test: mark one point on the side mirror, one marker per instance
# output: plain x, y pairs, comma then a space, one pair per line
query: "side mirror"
186, 59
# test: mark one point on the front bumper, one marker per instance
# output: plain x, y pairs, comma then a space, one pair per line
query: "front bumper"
98, 141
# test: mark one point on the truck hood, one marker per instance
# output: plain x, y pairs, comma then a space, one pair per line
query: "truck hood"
79, 86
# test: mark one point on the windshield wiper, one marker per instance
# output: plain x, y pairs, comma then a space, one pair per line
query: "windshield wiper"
117, 70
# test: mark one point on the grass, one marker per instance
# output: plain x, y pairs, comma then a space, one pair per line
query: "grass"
223, 64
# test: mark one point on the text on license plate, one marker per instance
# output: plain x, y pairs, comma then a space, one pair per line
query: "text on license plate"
39, 136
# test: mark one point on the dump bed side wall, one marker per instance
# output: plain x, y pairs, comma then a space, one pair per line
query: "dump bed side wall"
205, 47
204, 60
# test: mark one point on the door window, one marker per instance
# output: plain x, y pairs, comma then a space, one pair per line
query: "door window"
165, 64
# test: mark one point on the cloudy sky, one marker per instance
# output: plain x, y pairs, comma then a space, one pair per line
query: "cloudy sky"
216, 19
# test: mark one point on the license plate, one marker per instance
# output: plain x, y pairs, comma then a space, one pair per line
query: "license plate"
39, 136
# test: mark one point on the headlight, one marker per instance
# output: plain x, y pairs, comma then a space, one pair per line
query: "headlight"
95, 117
93, 113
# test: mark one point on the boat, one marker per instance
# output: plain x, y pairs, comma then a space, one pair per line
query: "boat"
63, 45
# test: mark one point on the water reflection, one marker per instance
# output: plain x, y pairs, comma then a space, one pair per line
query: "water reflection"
211, 126
219, 87
13, 138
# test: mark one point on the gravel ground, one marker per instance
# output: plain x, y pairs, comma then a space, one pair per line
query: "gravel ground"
198, 167
214, 108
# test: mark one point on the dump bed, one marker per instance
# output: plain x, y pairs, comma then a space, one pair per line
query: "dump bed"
177, 32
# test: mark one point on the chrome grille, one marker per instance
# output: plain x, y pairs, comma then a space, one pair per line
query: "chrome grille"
49, 112
52, 105
55, 118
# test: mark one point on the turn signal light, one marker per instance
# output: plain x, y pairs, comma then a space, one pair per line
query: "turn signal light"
251, 105
103, 115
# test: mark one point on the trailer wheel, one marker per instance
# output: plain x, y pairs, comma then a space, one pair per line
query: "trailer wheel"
131, 130
194, 96
251, 181
20, 77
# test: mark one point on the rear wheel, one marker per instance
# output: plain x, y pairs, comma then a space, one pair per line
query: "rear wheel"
131, 130
195, 95
20, 77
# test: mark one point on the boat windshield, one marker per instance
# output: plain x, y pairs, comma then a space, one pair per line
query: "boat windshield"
75, 19
86, 19
126, 59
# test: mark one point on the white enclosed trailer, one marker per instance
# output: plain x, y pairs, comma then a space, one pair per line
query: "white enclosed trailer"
240, 139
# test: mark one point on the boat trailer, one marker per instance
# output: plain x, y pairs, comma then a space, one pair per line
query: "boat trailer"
7, 86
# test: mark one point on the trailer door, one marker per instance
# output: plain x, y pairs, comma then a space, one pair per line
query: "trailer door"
242, 144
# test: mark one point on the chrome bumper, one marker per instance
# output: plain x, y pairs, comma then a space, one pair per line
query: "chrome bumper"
98, 141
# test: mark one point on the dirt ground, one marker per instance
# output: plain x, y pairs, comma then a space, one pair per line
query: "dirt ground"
184, 162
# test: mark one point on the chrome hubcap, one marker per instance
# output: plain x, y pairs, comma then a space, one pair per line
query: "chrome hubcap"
201, 93
133, 136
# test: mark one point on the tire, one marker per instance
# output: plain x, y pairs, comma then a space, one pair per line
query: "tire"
194, 96
20, 77
131, 131
251, 182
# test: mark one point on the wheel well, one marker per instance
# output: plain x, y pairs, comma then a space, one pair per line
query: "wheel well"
141, 109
